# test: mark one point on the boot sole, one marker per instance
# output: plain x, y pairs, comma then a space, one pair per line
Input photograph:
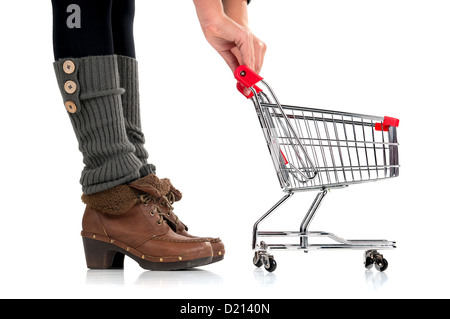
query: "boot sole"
101, 255
216, 259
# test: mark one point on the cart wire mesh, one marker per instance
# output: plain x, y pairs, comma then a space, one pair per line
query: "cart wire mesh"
321, 148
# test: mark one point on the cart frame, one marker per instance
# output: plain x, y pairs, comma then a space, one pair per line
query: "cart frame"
316, 157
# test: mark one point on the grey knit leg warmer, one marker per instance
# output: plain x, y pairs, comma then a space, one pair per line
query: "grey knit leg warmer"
91, 92
129, 79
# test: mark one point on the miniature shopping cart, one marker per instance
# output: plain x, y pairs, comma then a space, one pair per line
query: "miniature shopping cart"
314, 149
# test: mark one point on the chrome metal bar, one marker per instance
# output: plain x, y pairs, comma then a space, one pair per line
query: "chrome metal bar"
270, 211
384, 152
348, 149
365, 147
316, 125
374, 148
356, 148
287, 149
337, 185
308, 129
364, 122
331, 149
305, 154
339, 146
310, 215
309, 109
299, 130
347, 168
312, 144
299, 161
393, 151
289, 142
327, 246
324, 234
270, 139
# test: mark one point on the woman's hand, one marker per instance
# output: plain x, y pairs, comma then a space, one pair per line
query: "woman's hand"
233, 41
259, 51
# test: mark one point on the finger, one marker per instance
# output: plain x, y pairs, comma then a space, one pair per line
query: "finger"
230, 59
257, 62
246, 49
260, 56
237, 54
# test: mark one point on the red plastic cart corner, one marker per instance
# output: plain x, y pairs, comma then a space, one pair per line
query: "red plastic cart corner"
388, 121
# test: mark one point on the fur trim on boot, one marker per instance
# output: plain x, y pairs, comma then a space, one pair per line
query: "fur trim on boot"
178, 195
114, 201
152, 185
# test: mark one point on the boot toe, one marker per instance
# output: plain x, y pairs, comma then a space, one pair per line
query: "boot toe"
176, 248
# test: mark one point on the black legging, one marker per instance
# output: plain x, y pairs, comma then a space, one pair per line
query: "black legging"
84, 28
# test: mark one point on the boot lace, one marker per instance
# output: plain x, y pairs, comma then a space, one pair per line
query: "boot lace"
168, 201
171, 197
156, 210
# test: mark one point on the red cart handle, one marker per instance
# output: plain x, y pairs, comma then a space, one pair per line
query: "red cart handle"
241, 88
388, 121
246, 78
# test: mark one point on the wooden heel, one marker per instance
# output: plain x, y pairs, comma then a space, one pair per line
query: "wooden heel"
101, 255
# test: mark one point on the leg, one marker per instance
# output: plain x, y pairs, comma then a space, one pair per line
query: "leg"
122, 26
120, 219
82, 28
88, 78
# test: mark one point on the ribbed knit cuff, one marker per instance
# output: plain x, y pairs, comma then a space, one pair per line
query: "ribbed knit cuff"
98, 122
129, 79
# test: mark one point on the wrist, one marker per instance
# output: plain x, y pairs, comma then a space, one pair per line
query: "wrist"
208, 11
237, 11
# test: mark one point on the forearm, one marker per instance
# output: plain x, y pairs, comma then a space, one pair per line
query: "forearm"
208, 11
236, 10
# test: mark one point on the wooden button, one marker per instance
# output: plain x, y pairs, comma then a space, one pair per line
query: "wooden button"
69, 67
70, 107
70, 87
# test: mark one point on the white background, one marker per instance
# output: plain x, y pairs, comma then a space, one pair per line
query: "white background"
370, 57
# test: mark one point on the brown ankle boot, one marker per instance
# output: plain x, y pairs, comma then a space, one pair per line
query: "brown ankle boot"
123, 221
168, 195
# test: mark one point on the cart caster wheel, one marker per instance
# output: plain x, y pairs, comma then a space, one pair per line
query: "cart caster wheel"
381, 265
368, 263
257, 260
373, 257
270, 265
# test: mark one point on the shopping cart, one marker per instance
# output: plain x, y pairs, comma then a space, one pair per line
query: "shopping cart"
314, 149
